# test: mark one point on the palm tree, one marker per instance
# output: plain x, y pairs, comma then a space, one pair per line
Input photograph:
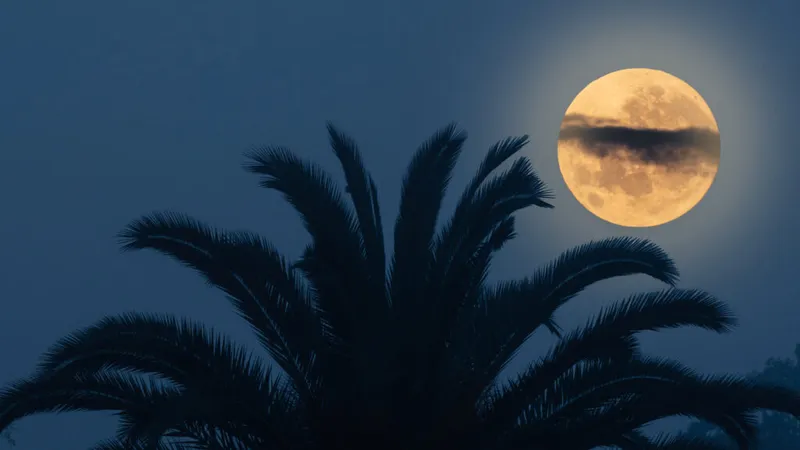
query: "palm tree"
400, 354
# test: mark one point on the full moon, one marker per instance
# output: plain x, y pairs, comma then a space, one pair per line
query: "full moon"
638, 147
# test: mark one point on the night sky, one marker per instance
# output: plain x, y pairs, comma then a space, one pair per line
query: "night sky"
109, 110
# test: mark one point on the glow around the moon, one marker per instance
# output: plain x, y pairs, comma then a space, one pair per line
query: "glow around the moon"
639, 147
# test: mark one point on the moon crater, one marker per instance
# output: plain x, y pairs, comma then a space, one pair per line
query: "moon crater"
639, 147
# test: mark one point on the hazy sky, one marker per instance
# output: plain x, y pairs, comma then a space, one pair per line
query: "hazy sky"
112, 109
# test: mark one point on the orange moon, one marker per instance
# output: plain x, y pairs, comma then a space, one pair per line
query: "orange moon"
639, 147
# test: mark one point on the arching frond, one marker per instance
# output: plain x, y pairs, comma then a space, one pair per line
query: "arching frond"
632, 413
593, 384
671, 308
423, 190
498, 154
484, 222
454, 238
339, 270
445, 381
609, 337
255, 276
99, 391
211, 417
477, 200
184, 352
364, 194
727, 402
503, 407
511, 311
479, 227
421, 197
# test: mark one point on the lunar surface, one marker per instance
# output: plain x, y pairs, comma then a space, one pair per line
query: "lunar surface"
639, 147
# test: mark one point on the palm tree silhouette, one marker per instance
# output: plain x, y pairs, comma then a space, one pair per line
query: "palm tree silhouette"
400, 354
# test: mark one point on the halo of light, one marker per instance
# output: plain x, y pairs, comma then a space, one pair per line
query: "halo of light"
540, 81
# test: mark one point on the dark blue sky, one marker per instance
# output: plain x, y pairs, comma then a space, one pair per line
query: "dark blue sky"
112, 109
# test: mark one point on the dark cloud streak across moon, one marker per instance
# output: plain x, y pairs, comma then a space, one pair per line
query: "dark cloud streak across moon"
603, 137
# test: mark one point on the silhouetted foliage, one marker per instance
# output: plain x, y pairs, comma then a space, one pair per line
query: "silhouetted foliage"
394, 351
776, 431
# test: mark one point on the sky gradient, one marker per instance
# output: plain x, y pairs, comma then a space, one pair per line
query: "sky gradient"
109, 110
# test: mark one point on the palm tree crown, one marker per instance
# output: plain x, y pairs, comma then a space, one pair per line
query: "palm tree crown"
400, 351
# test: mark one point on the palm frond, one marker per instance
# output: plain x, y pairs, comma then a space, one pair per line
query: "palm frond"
99, 391
449, 241
502, 407
635, 411
422, 192
338, 272
210, 416
469, 282
445, 369
181, 351
481, 225
511, 311
255, 277
610, 336
498, 154
670, 308
483, 221
577, 268
363, 192
728, 402
468, 208
592, 384
221, 383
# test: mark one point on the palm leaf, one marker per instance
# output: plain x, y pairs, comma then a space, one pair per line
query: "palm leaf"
490, 210
512, 311
339, 271
483, 225
591, 384
100, 391
631, 413
422, 192
255, 276
445, 367
210, 416
457, 229
363, 192
727, 402
223, 383
181, 351
610, 335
